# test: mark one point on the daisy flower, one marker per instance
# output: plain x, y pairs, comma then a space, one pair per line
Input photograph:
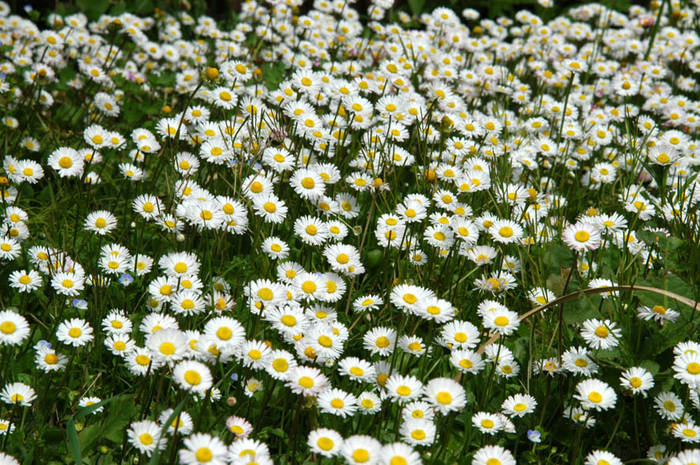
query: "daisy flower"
18, 394
459, 334
275, 248
595, 395
487, 423
407, 296
192, 376
598, 457
305, 380
502, 321
75, 332
307, 183
466, 361
9, 248
403, 388
506, 231
600, 334
687, 457
270, 208
445, 394
399, 453
686, 432
380, 340
367, 303
581, 237
518, 405
100, 222
67, 162
490, 455
183, 422
658, 313
239, 426
369, 403
14, 328
167, 345
47, 359
418, 431
361, 450
337, 402
203, 449
669, 406
324, 441
357, 369
280, 364
638, 380
687, 368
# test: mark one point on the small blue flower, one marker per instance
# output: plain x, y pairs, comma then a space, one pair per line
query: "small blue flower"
234, 376
43, 343
534, 435
126, 279
28, 8
80, 304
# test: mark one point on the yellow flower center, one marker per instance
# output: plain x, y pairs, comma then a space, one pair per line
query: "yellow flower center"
403, 391
167, 348
309, 287
325, 443
582, 236
192, 377
693, 368
595, 397
146, 439
265, 294
308, 183
602, 332
337, 403
306, 382
7, 327
203, 454
75, 332
382, 342
444, 398
280, 365
360, 455
506, 231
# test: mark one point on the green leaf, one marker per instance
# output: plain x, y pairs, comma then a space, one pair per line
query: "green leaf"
73, 441
119, 417
155, 459
89, 435
416, 6
650, 365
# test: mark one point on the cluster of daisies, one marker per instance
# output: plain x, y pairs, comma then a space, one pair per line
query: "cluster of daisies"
393, 197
